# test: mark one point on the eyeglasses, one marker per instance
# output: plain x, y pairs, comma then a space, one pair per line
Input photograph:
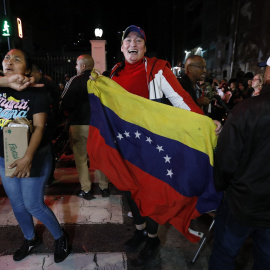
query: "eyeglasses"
201, 67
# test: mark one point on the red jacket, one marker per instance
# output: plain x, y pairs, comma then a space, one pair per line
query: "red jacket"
162, 84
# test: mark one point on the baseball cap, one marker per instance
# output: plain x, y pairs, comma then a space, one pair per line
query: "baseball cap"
134, 28
264, 64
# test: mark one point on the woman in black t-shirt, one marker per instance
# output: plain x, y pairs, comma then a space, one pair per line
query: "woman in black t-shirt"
25, 188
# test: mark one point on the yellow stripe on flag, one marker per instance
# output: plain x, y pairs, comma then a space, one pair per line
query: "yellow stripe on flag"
192, 129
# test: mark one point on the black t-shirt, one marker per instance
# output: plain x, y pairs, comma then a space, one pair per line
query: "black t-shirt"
17, 104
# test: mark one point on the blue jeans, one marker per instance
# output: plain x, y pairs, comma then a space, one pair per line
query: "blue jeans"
27, 195
230, 235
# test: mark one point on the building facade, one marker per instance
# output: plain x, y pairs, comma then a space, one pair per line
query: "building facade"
229, 34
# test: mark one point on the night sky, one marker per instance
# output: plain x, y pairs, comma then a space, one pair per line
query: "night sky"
58, 24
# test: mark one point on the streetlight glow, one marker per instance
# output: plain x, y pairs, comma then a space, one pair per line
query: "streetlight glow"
198, 51
98, 32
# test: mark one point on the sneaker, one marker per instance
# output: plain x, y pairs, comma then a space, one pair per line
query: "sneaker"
138, 238
85, 195
26, 248
149, 251
105, 192
61, 250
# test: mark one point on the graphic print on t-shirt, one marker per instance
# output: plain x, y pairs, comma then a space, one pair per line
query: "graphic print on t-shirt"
11, 108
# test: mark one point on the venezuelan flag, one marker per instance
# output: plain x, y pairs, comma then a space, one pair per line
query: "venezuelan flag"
162, 154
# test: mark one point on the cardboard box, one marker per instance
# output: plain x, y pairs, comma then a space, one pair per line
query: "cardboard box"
15, 145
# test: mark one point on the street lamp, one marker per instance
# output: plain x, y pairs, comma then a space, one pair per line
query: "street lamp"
98, 51
198, 51
187, 53
98, 32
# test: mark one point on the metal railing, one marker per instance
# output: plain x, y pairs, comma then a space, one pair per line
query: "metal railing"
56, 66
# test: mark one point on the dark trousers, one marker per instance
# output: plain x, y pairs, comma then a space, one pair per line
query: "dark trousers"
230, 235
151, 225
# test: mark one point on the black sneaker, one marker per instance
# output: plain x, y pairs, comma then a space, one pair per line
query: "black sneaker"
62, 249
149, 251
138, 238
26, 248
105, 192
85, 195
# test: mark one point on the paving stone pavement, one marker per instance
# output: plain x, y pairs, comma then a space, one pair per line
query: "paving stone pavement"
97, 231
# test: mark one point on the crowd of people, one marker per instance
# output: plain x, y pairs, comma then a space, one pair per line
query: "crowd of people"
240, 171
217, 97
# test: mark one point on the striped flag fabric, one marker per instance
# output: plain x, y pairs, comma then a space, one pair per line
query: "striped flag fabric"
163, 155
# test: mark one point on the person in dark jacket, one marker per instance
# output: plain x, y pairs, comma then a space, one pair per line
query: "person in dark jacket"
195, 70
74, 100
242, 170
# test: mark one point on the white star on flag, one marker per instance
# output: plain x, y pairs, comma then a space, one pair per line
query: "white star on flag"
119, 136
126, 134
170, 173
137, 134
159, 148
167, 159
149, 140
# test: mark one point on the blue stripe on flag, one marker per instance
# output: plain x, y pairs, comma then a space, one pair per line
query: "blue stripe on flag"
174, 163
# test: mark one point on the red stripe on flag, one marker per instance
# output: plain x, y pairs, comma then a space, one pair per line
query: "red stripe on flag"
154, 197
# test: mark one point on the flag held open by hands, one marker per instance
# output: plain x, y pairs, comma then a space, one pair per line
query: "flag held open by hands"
163, 155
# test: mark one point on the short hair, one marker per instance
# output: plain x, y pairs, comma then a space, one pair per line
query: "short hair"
88, 60
191, 58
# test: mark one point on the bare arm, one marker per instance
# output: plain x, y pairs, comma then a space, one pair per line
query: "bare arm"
24, 164
18, 82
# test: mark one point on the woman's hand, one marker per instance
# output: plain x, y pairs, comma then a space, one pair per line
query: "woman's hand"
24, 164
18, 82
23, 167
